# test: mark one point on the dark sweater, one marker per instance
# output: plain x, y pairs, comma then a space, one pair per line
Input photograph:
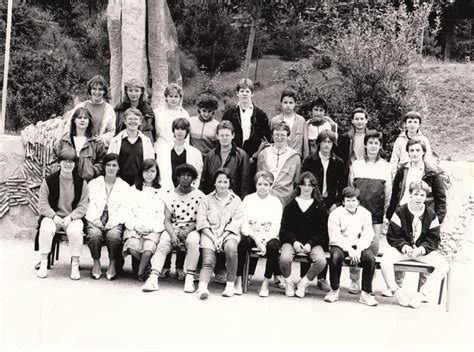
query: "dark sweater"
307, 227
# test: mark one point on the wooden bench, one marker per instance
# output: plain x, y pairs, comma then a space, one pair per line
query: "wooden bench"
405, 266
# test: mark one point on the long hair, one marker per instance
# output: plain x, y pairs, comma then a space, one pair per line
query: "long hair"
316, 194
147, 165
79, 113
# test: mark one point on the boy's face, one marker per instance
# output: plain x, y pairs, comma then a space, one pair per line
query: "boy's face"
173, 99
225, 137
97, 93
134, 94
359, 120
351, 204
280, 137
415, 152
288, 105
373, 146
206, 114
325, 146
412, 125
132, 122
318, 112
417, 198
67, 166
245, 95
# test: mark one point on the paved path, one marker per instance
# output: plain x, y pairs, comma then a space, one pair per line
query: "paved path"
57, 313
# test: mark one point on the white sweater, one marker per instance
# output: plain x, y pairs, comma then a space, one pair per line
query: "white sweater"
146, 209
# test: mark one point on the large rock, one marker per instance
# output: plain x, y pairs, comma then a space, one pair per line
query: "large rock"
12, 155
114, 26
134, 61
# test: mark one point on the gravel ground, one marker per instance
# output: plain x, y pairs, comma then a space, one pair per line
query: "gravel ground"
57, 313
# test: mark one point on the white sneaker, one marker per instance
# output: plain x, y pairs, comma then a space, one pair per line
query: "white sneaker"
229, 291
401, 298
354, 288
189, 284
264, 292
203, 293
368, 299
151, 284
75, 274
415, 301
387, 293
290, 289
43, 270
301, 289
332, 296
238, 286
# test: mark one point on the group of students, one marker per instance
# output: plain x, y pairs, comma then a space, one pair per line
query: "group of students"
214, 190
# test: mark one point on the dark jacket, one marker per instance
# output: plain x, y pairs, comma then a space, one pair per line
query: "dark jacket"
436, 199
148, 122
237, 162
259, 131
400, 230
335, 176
307, 227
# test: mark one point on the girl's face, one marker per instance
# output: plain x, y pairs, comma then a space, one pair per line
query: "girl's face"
149, 175
185, 179
206, 114
412, 125
134, 94
133, 122
263, 187
111, 168
180, 134
222, 183
280, 138
373, 146
173, 99
82, 121
326, 146
306, 189
97, 93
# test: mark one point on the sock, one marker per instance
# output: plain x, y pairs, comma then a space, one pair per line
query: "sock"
230, 284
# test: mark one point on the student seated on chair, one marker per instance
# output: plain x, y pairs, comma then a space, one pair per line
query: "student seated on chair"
350, 234
63, 200
413, 234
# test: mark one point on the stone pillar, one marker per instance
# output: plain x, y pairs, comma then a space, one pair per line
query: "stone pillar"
114, 26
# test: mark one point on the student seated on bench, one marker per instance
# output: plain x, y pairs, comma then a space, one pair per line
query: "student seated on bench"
63, 200
413, 234
350, 234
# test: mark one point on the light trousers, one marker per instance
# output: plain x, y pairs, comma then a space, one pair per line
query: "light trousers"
74, 232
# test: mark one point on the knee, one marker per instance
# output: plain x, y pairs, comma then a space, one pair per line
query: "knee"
193, 240
47, 227
114, 235
286, 259
337, 255
230, 248
320, 261
93, 234
208, 260
75, 228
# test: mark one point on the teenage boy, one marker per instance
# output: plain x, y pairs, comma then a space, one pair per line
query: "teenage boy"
318, 122
413, 234
204, 126
228, 155
298, 138
250, 122
328, 169
282, 161
350, 234
411, 122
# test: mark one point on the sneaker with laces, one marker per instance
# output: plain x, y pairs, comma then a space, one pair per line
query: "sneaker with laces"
203, 293
354, 288
323, 285
180, 275
387, 293
401, 298
368, 299
301, 289
165, 273
229, 291
75, 274
415, 301
290, 289
332, 296
189, 284
42, 270
264, 292
151, 284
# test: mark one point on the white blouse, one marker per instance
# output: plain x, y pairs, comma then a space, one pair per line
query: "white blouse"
146, 209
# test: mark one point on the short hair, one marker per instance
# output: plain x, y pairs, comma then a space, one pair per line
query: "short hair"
225, 125
207, 101
323, 135
110, 157
132, 111
183, 168
359, 110
266, 175
134, 83
223, 171
288, 92
182, 124
245, 83
147, 165
98, 79
419, 186
350, 192
412, 115
414, 141
319, 102
68, 154
373, 134
81, 112
281, 126
174, 87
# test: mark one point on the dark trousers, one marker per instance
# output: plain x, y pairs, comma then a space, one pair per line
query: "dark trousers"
367, 262
304, 267
273, 248
180, 257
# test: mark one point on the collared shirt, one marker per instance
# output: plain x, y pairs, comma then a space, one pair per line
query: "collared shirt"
324, 163
246, 117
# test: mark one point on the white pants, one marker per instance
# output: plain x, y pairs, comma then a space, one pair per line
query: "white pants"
73, 231
434, 259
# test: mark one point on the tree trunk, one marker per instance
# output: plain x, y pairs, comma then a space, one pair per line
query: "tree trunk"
248, 55
448, 39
